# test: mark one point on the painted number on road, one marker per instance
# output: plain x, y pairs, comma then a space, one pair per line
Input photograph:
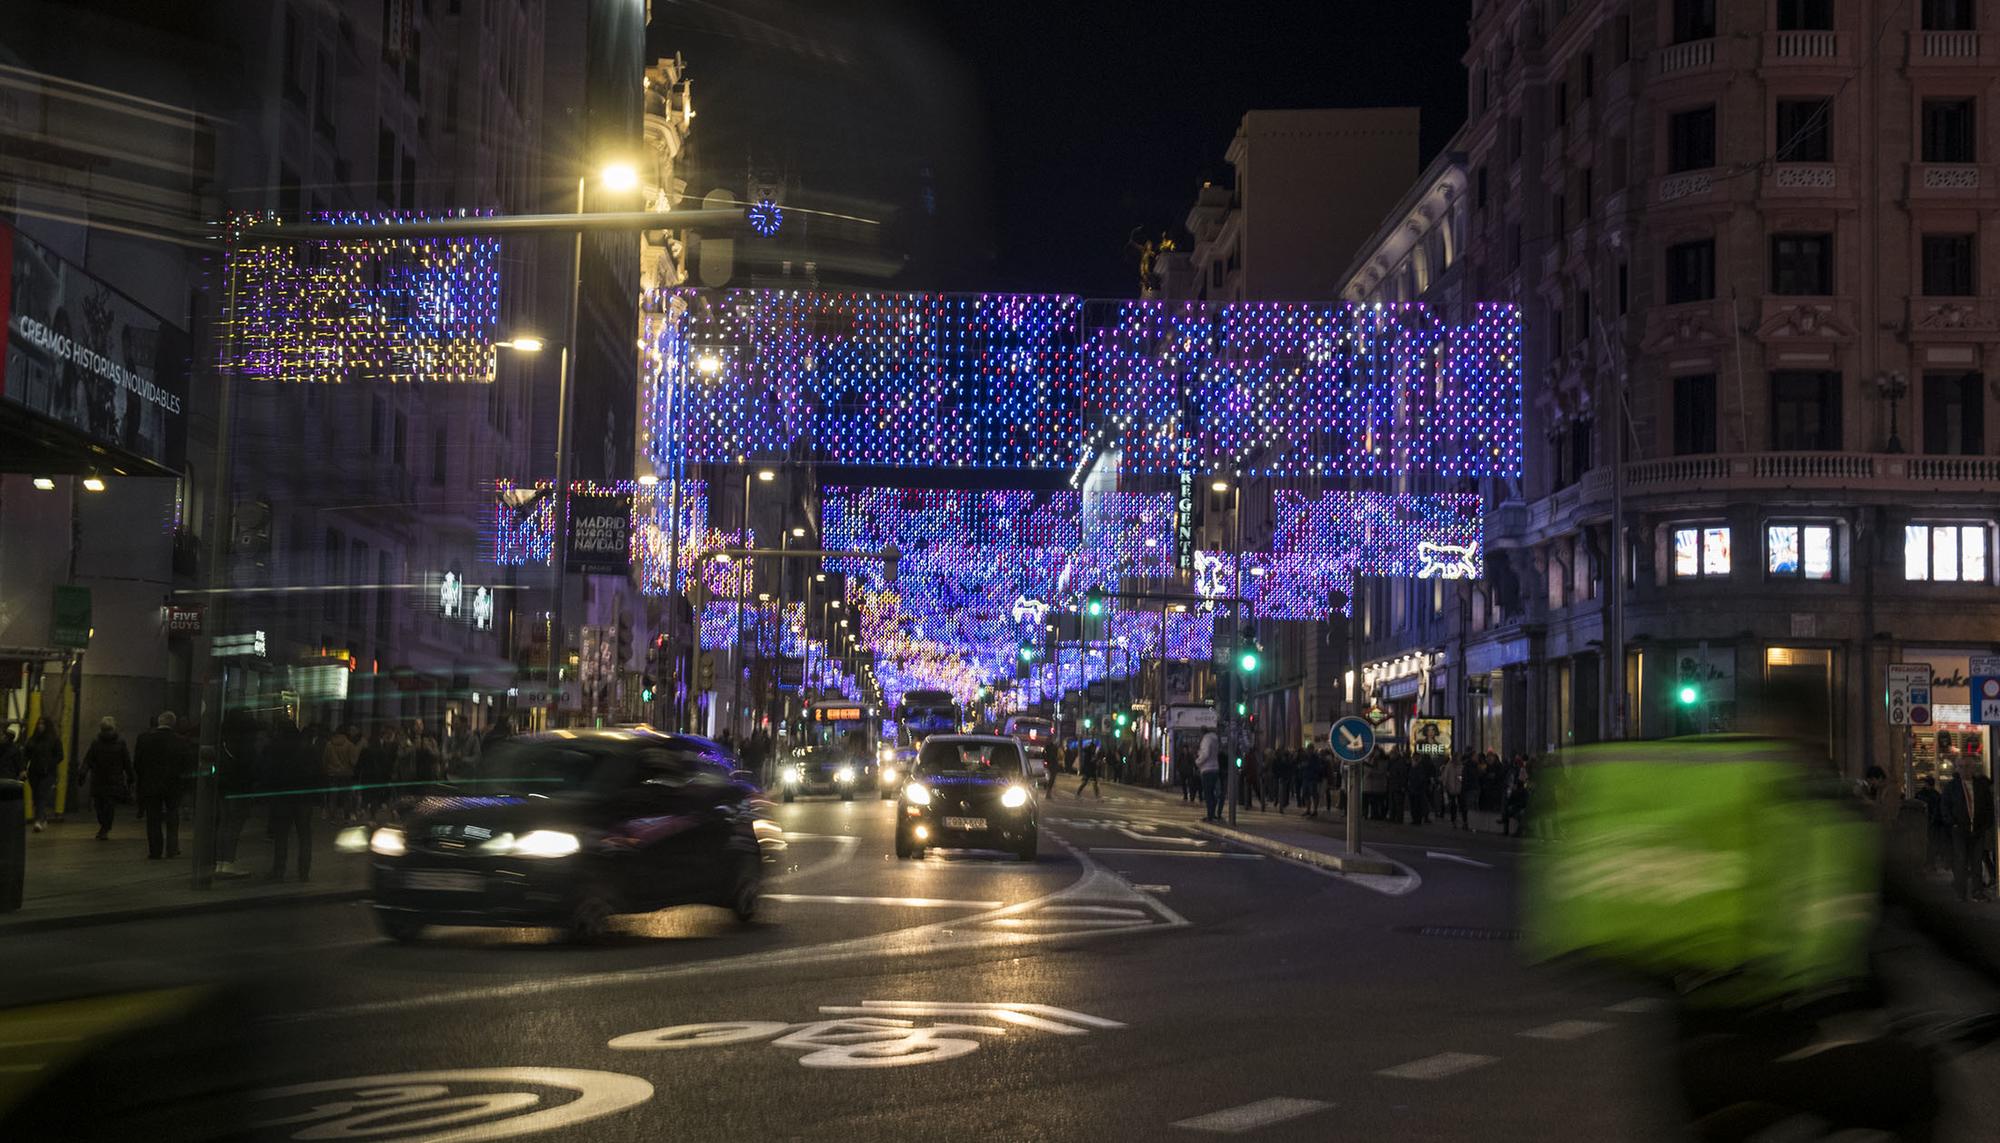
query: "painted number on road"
875, 1033
455, 1106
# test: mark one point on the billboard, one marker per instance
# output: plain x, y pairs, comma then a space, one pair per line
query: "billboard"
89, 359
600, 533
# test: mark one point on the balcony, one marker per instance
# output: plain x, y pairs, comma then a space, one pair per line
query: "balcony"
1691, 58
1805, 49
1693, 186
1954, 319
1952, 183
1948, 50
1802, 180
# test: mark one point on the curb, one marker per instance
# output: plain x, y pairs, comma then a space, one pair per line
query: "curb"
1365, 864
10, 924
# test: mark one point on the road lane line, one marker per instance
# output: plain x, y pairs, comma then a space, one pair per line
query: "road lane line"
843, 852
1103, 910
1180, 853
1641, 1004
1438, 1066
1457, 858
1564, 1030
1068, 922
1249, 1117
903, 902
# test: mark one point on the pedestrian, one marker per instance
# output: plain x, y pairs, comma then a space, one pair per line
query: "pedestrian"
293, 772
1375, 786
1284, 777
1187, 776
163, 762
343, 753
1452, 779
1968, 810
1312, 771
13, 759
1423, 775
107, 768
375, 771
1051, 765
44, 751
238, 767
1252, 781
1399, 785
1208, 764
1089, 777
1514, 800
1937, 832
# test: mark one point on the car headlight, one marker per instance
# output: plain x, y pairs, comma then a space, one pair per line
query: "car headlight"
387, 842
885, 754
916, 795
791, 777
1014, 798
353, 839
546, 843
844, 774
888, 773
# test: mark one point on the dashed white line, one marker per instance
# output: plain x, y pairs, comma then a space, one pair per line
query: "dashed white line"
1565, 1030
1641, 1004
1181, 853
1250, 1116
1438, 1066
903, 902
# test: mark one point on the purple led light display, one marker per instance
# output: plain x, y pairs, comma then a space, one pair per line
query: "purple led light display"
365, 308
1036, 381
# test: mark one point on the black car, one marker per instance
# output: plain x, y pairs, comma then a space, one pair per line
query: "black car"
968, 791
569, 828
825, 770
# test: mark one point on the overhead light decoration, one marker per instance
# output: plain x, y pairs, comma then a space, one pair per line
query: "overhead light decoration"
765, 217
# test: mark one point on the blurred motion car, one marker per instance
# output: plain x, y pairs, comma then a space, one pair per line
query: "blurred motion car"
969, 791
570, 828
826, 770
893, 765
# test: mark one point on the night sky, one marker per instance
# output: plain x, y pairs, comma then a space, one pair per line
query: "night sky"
1015, 146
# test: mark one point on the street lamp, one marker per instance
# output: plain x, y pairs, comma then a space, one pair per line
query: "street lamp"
620, 178
1890, 387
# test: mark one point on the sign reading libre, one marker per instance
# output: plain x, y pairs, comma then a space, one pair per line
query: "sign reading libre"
1431, 736
600, 533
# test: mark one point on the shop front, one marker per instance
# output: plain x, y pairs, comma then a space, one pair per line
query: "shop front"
1950, 740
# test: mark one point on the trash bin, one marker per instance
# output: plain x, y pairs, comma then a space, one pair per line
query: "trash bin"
13, 844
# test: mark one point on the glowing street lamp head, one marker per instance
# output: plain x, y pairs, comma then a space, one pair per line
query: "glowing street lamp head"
1219, 485
522, 344
766, 475
648, 479
620, 178
93, 483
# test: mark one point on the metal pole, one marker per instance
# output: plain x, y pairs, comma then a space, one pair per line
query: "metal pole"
215, 690
1353, 792
674, 539
1235, 637
559, 555
738, 660
261, 233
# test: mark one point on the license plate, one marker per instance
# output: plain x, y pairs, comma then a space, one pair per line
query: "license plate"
435, 881
965, 823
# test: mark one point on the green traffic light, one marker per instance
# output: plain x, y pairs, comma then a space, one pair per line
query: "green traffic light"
1027, 654
1242, 708
1121, 718
1690, 695
1248, 662
1097, 607
646, 695
1086, 724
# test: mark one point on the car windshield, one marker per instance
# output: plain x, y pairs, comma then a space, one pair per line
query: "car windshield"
518, 767
996, 759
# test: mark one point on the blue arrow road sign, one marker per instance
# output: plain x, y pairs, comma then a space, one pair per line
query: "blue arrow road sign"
1353, 739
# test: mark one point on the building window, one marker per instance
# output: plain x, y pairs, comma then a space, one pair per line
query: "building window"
1948, 262
385, 166
1945, 553
1955, 414
1691, 271
439, 465
1694, 414
1621, 40
1560, 97
1624, 289
378, 423
1805, 15
1798, 551
1805, 130
1949, 15
1805, 410
409, 201
1802, 264
1586, 70
1701, 551
402, 438
1556, 343
1948, 131
1479, 188
1693, 20
1558, 212
1691, 139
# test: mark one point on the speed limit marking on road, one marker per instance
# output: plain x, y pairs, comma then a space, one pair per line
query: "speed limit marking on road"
456, 1106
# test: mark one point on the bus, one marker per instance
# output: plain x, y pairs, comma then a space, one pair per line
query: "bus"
840, 722
924, 713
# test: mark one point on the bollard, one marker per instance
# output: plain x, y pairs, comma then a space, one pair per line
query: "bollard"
13, 845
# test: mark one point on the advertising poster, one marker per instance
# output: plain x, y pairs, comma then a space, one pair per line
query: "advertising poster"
1431, 735
600, 533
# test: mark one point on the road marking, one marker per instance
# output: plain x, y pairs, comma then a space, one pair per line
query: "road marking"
1062, 922
871, 1035
790, 836
1457, 858
1249, 1117
1641, 1004
1182, 853
442, 1106
1438, 1066
1564, 1030
843, 852
1103, 910
1153, 888
1044, 1017
902, 902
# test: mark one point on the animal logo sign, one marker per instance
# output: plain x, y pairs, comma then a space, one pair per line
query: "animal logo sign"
875, 1033
1446, 561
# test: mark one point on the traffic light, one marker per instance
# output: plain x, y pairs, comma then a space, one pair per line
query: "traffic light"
1689, 694
1086, 724
1242, 709
1248, 660
647, 688
1093, 602
1121, 718
1027, 653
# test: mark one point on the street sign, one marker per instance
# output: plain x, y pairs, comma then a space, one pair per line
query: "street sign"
1986, 698
184, 618
69, 624
250, 645
1904, 679
1375, 715
1353, 739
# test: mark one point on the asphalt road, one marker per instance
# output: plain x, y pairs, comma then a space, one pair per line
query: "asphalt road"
1140, 981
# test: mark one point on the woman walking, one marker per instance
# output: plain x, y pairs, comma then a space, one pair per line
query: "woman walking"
107, 767
45, 755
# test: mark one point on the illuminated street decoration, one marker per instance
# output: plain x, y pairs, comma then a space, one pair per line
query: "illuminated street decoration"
1040, 382
764, 217
369, 308
523, 532
1447, 561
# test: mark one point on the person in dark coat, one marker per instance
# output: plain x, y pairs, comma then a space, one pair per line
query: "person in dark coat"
375, 769
293, 772
1968, 810
45, 756
164, 762
238, 768
1399, 785
107, 767
1089, 775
